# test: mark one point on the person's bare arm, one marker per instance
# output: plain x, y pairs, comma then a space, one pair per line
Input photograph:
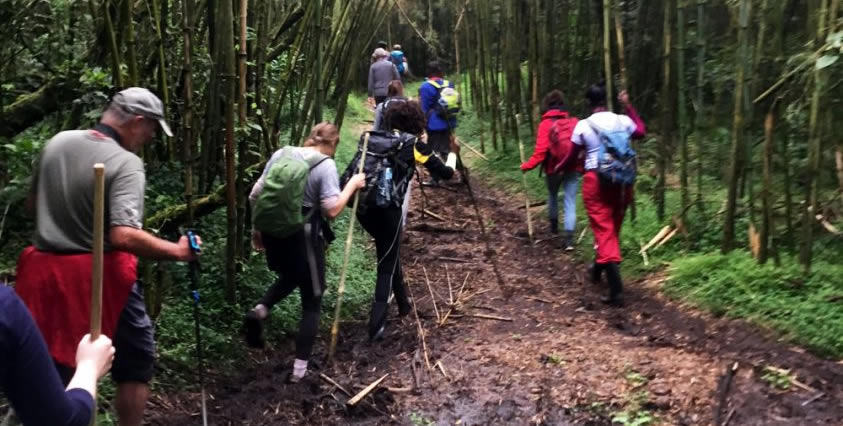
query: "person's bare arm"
144, 244
356, 182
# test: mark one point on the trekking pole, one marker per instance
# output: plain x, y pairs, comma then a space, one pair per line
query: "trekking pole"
96, 269
194, 280
335, 327
526, 193
490, 253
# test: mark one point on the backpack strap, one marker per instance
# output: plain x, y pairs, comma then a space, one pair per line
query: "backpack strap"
314, 160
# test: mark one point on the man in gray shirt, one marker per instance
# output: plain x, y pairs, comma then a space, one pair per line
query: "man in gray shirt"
62, 196
380, 74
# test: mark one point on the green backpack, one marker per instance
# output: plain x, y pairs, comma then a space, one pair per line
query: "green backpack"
278, 209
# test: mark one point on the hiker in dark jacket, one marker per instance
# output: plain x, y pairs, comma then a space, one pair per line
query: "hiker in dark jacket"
400, 149
395, 92
30, 381
381, 72
553, 139
605, 202
290, 257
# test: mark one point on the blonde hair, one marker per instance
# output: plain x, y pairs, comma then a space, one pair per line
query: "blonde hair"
323, 133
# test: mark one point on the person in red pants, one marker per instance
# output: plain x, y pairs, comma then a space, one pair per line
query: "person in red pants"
605, 202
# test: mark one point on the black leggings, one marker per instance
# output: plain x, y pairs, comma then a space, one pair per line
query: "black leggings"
384, 224
288, 258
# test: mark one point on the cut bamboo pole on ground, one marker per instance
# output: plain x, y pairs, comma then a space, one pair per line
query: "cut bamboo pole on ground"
420, 328
432, 298
368, 389
335, 327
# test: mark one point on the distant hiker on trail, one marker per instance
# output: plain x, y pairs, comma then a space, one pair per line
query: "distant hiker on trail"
381, 45
440, 102
553, 146
390, 163
608, 181
54, 275
395, 93
292, 202
380, 74
28, 377
399, 60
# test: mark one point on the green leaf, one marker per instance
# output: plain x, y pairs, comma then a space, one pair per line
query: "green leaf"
11, 147
826, 61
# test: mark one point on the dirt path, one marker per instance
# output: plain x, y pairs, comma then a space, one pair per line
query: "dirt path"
562, 359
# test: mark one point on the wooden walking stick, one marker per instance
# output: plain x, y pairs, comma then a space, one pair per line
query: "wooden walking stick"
335, 328
490, 252
526, 193
96, 272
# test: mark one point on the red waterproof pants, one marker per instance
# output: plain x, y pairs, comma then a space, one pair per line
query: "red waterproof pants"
605, 204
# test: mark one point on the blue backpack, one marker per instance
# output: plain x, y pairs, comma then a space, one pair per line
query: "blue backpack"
397, 58
616, 159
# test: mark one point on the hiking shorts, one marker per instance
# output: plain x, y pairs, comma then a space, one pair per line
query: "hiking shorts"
134, 341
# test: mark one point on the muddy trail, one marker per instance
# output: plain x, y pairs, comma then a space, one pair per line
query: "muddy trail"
541, 349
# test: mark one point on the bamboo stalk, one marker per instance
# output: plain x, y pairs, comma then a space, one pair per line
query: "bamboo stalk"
737, 150
607, 53
335, 327
683, 120
700, 110
621, 54
767, 162
814, 150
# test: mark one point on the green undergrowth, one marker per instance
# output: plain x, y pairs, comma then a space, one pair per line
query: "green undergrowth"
782, 298
804, 309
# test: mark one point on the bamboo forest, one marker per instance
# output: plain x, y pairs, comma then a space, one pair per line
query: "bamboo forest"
586, 212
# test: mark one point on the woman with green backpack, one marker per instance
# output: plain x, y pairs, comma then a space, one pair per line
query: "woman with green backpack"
292, 202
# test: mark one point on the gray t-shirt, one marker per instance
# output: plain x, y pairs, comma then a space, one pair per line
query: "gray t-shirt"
64, 185
323, 184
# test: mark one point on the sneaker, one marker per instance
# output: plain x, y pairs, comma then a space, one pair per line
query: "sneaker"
293, 379
254, 330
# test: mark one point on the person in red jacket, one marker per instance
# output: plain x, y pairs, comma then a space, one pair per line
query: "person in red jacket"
553, 143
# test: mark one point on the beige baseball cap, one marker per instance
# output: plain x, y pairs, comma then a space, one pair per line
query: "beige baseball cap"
140, 101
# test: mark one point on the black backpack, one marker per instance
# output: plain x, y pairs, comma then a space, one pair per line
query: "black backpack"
385, 151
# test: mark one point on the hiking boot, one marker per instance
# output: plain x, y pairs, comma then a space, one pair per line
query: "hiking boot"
377, 320
568, 241
613, 277
254, 330
404, 308
554, 226
595, 271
